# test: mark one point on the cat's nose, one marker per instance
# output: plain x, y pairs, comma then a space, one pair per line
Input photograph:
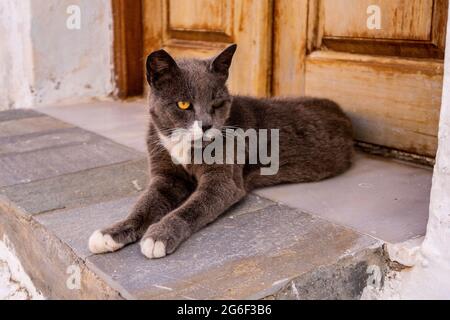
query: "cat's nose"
206, 127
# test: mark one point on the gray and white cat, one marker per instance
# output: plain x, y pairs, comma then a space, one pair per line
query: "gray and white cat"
315, 142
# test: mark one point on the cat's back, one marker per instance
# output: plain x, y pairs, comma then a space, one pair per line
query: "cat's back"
267, 112
280, 104
315, 137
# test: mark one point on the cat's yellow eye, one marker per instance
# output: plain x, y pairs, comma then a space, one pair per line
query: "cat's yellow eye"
183, 105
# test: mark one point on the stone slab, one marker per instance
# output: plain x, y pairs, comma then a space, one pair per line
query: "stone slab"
75, 226
49, 263
383, 198
16, 114
249, 254
79, 189
251, 203
44, 164
45, 140
344, 280
31, 125
124, 122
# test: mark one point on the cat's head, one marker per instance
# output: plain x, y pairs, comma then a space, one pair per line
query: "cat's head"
189, 94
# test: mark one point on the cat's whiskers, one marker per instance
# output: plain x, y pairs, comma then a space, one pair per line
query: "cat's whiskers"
228, 135
230, 127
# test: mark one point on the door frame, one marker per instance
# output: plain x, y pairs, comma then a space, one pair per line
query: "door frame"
127, 48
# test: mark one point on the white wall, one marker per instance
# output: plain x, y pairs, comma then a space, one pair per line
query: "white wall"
429, 274
15, 54
430, 277
47, 62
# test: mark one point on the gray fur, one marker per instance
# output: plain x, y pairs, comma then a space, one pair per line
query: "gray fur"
315, 143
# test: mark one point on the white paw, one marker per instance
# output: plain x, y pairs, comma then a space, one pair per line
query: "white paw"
152, 249
100, 243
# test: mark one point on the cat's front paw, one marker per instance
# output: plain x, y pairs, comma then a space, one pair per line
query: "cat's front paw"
152, 249
101, 243
163, 238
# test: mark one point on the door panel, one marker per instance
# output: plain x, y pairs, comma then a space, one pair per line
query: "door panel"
409, 28
392, 102
200, 15
202, 28
400, 19
389, 81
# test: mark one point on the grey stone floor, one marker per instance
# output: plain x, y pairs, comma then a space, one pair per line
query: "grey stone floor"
59, 183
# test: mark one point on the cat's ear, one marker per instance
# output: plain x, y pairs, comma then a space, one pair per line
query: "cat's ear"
221, 64
161, 67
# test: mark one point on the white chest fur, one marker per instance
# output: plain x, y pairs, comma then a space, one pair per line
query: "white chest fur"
179, 143
179, 148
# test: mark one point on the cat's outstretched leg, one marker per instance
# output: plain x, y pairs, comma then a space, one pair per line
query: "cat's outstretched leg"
216, 192
164, 194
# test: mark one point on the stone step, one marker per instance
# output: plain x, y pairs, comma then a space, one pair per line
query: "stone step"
69, 182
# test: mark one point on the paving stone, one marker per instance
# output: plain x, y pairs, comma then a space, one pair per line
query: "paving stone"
79, 189
44, 140
49, 262
44, 164
250, 204
31, 125
239, 256
343, 280
383, 198
251, 252
15, 114
123, 122
75, 226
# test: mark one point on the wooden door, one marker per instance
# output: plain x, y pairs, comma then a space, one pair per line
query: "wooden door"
386, 74
201, 28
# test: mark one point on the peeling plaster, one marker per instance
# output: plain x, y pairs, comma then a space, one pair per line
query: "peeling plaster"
18, 277
407, 254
